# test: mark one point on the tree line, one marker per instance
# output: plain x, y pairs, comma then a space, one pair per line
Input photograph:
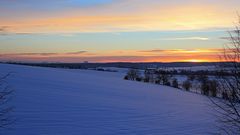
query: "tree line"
195, 80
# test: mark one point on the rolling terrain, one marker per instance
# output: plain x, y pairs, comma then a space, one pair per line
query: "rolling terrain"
50, 101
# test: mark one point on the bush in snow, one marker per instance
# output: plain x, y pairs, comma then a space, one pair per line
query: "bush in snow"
5, 110
208, 86
191, 77
205, 88
139, 79
204, 84
203, 78
187, 85
213, 86
225, 95
126, 77
163, 77
167, 83
146, 80
175, 83
132, 74
148, 76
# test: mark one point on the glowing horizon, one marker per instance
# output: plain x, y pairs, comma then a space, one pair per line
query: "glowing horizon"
115, 30
177, 55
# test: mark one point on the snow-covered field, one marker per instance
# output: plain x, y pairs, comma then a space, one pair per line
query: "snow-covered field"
51, 101
195, 68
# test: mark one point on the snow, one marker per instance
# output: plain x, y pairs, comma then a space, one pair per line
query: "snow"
195, 68
52, 101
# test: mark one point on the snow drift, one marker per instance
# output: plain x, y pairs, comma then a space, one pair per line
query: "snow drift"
51, 101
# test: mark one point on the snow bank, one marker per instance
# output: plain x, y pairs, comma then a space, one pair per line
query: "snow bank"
81, 102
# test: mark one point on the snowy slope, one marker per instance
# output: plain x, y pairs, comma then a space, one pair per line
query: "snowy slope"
81, 102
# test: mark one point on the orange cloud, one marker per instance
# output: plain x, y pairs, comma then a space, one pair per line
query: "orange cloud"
113, 18
198, 55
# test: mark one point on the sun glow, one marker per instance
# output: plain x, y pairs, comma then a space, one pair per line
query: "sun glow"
114, 31
195, 60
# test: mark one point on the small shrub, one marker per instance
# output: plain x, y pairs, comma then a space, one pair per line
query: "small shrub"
133, 74
165, 79
139, 79
213, 85
225, 95
146, 80
126, 77
202, 78
6, 92
191, 77
175, 83
149, 76
187, 85
157, 82
205, 88
167, 84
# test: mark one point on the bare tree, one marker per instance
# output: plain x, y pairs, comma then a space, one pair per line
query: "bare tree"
175, 83
149, 76
133, 74
187, 85
228, 107
163, 77
5, 108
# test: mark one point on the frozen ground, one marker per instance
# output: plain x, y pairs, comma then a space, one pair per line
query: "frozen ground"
195, 68
82, 102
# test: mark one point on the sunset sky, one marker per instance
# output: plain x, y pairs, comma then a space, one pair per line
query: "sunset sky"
115, 30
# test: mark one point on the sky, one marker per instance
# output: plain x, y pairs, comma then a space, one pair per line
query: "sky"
115, 30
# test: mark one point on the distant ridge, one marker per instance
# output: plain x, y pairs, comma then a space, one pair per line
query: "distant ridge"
142, 65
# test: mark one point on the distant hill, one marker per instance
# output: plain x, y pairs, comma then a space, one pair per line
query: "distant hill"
117, 64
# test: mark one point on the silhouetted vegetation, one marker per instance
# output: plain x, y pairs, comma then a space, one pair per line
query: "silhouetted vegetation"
5, 109
228, 110
140, 66
133, 74
175, 83
213, 87
149, 76
187, 85
194, 82
163, 77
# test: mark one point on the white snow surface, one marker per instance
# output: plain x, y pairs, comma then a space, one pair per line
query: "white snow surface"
52, 101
